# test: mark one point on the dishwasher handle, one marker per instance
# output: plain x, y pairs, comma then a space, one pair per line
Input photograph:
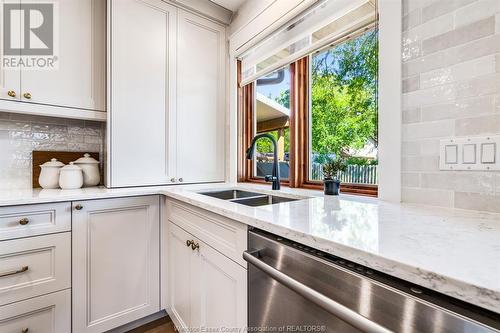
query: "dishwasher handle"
338, 310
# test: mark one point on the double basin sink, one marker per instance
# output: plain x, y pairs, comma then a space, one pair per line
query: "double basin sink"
248, 198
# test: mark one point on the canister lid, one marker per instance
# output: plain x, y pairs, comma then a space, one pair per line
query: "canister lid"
53, 163
70, 167
86, 159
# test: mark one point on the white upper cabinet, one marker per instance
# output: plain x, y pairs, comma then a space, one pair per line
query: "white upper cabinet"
200, 99
74, 42
142, 95
166, 95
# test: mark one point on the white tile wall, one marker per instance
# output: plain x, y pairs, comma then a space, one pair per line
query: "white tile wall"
21, 134
451, 87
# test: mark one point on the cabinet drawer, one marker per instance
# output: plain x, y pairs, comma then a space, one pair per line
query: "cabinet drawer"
45, 314
225, 235
31, 220
34, 266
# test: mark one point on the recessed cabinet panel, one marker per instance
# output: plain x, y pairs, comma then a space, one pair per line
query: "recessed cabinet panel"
78, 80
115, 262
141, 84
200, 99
180, 272
223, 283
45, 314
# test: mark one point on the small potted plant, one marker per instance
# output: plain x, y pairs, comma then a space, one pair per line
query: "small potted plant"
330, 173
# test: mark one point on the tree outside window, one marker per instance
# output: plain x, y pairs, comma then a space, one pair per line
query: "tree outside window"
344, 107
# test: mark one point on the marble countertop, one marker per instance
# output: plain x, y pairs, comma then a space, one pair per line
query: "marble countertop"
456, 252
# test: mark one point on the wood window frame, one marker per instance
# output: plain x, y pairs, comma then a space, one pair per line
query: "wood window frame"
299, 133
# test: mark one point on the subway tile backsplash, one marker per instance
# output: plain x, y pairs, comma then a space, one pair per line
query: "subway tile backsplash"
451, 87
21, 134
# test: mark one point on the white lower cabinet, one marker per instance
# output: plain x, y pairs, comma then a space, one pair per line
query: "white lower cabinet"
115, 262
45, 314
206, 289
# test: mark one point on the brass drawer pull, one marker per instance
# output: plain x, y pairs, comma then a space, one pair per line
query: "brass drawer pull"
9, 273
188, 243
24, 221
11, 93
195, 246
25, 330
27, 95
78, 207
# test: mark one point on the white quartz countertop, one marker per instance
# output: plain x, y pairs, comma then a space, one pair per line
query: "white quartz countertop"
455, 252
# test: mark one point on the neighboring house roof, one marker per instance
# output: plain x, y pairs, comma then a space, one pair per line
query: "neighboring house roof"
269, 109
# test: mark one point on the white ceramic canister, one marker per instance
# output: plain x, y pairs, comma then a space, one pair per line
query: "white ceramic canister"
49, 175
71, 177
90, 168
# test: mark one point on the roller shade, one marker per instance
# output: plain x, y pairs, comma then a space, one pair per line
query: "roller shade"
328, 21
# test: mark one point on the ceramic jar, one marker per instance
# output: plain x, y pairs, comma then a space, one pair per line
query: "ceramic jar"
90, 169
71, 177
49, 175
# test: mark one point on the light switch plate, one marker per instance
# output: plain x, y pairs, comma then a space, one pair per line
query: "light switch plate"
488, 153
470, 153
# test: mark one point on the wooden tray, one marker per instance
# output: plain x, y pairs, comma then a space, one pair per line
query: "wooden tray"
40, 157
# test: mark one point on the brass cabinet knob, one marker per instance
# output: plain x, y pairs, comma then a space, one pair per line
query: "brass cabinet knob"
24, 221
27, 95
195, 246
11, 93
173, 180
188, 243
25, 330
181, 179
78, 207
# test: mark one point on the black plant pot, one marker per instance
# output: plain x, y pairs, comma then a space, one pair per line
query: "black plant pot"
332, 186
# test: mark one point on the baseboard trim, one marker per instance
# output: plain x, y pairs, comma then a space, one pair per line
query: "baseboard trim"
140, 322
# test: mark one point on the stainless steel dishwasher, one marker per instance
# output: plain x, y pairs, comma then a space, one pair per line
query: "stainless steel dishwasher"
294, 288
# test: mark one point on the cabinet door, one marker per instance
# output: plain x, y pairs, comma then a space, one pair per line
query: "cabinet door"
219, 281
180, 270
115, 262
200, 99
142, 83
78, 78
10, 77
201, 278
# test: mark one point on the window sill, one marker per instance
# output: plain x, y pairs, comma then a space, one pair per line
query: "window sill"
352, 189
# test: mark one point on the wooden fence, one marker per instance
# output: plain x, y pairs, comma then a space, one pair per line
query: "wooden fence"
357, 174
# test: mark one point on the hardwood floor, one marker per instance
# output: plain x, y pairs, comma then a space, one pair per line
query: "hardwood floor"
163, 325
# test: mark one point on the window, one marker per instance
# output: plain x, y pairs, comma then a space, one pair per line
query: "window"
272, 116
343, 109
319, 100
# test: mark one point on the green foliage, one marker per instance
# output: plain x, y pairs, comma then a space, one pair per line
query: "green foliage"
265, 146
353, 160
344, 103
284, 98
332, 167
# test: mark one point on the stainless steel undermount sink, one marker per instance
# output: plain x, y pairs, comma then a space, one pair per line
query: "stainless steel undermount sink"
247, 198
230, 194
